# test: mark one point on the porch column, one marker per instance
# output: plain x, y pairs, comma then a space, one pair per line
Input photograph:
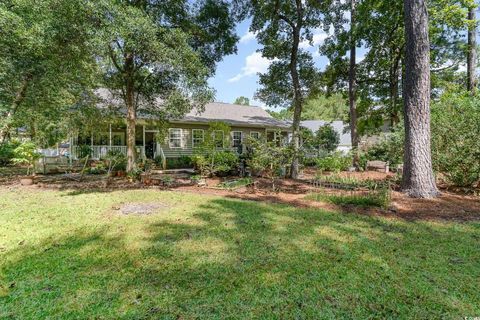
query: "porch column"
110, 135
143, 152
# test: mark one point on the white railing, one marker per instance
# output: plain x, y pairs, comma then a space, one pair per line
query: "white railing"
100, 152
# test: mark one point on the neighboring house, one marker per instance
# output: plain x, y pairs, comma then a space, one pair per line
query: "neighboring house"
185, 133
342, 129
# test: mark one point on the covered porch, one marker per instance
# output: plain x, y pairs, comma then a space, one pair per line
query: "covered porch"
113, 139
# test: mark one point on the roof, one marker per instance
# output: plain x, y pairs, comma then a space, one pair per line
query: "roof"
232, 114
342, 129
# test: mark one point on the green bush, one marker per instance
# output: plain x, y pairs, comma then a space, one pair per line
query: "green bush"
388, 149
7, 152
117, 160
225, 162
177, 163
456, 139
334, 162
26, 153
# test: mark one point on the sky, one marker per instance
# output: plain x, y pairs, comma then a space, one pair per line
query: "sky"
237, 75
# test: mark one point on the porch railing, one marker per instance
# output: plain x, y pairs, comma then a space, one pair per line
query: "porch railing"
100, 152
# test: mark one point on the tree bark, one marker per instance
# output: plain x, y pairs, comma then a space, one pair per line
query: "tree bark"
298, 103
131, 112
418, 178
472, 52
352, 89
19, 97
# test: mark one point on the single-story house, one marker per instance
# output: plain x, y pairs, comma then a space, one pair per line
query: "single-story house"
341, 128
184, 133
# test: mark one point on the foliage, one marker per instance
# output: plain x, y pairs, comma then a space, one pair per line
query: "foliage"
235, 184
335, 162
242, 101
269, 158
26, 153
209, 157
325, 107
46, 60
327, 139
116, 161
378, 198
181, 162
167, 180
163, 50
455, 138
98, 168
349, 183
84, 151
388, 149
7, 152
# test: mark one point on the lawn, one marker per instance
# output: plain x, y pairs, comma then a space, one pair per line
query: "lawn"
75, 255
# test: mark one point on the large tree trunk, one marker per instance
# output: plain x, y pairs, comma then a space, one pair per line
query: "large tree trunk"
131, 113
472, 52
418, 178
19, 97
297, 102
352, 89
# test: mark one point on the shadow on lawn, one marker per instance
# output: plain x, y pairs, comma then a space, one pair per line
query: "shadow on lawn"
236, 259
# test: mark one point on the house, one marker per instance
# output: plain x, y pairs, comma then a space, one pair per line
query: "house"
184, 134
342, 129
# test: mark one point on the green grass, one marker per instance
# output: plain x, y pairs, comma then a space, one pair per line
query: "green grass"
70, 255
234, 184
374, 198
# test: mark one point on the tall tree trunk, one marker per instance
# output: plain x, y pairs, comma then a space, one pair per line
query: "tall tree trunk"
297, 102
131, 112
19, 97
472, 52
418, 178
352, 87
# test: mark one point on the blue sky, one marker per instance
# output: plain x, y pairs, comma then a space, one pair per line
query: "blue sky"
237, 74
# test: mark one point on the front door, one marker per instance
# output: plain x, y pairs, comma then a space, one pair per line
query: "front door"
150, 145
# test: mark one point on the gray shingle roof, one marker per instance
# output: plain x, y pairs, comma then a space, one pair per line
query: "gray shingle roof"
232, 114
342, 129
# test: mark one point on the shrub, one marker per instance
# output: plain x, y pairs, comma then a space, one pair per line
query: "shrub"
327, 138
270, 159
378, 198
388, 149
7, 152
26, 153
456, 139
177, 163
116, 161
334, 162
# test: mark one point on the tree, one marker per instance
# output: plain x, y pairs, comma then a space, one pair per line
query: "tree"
325, 107
46, 58
280, 27
472, 50
418, 178
352, 85
244, 101
163, 51
327, 139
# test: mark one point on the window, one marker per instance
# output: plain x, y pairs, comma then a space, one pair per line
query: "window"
175, 138
218, 138
197, 136
237, 139
255, 135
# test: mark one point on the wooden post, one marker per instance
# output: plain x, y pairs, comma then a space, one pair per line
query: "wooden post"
110, 136
143, 152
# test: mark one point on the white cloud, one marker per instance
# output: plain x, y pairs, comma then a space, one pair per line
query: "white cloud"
254, 64
318, 37
247, 37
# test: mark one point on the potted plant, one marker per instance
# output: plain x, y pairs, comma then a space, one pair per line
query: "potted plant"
26, 154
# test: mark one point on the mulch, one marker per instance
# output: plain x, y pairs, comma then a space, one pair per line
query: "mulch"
449, 206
